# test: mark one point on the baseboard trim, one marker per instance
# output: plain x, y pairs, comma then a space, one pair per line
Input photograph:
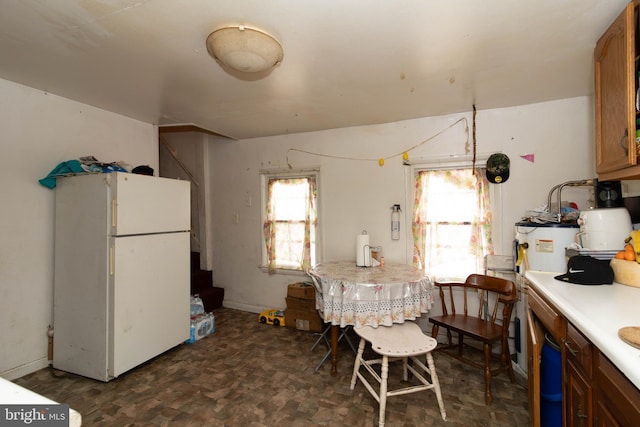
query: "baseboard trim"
520, 375
26, 369
243, 307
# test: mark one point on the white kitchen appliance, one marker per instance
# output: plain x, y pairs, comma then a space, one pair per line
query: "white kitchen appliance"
604, 229
541, 246
122, 272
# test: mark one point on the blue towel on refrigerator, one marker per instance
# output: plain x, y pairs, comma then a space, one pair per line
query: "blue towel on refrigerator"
64, 168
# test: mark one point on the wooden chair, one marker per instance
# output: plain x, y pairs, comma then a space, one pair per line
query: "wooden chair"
489, 324
401, 341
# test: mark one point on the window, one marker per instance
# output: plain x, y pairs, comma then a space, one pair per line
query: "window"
290, 221
451, 222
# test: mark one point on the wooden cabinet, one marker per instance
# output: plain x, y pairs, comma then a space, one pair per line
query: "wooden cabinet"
578, 387
595, 392
618, 400
542, 318
547, 314
535, 338
615, 95
578, 397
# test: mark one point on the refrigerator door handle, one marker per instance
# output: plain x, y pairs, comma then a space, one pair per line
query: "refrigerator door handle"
111, 260
113, 213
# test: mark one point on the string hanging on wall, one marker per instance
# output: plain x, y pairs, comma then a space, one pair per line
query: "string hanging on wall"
473, 165
404, 153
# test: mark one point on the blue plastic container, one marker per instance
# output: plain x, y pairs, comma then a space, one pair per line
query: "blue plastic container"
550, 384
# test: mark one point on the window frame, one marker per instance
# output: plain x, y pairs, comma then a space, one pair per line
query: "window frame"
495, 195
265, 176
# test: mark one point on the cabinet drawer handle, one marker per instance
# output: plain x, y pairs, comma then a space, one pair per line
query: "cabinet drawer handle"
581, 416
573, 352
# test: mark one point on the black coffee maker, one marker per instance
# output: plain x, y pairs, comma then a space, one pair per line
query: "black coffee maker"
608, 194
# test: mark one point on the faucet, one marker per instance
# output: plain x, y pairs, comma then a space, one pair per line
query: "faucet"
559, 187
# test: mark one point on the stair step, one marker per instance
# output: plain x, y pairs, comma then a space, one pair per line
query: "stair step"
212, 298
201, 279
202, 285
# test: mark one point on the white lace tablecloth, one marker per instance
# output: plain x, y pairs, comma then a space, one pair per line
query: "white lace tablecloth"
371, 296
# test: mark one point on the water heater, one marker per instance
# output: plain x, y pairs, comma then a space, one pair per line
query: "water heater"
541, 247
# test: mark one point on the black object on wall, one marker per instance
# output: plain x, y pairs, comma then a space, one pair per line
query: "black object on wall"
608, 194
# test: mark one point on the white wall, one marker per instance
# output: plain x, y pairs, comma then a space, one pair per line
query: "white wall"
40, 130
357, 194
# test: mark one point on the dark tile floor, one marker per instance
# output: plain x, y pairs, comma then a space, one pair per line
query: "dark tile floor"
250, 374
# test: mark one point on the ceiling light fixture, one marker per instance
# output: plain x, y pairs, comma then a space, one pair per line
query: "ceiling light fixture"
244, 49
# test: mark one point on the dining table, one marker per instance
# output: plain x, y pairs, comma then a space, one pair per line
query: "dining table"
348, 294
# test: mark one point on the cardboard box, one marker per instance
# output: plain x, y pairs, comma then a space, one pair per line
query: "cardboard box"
301, 304
303, 320
303, 290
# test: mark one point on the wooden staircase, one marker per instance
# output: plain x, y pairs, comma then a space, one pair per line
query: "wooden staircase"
202, 285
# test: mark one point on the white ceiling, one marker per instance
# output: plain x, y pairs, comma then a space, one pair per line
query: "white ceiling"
346, 62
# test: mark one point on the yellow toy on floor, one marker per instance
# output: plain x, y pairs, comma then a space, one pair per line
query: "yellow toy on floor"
273, 317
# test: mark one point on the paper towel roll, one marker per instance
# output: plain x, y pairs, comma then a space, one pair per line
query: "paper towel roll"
363, 254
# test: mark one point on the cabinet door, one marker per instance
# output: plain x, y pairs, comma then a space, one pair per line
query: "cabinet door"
535, 338
615, 95
604, 417
579, 397
618, 399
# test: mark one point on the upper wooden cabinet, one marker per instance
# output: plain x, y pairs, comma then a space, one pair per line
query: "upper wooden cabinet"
615, 93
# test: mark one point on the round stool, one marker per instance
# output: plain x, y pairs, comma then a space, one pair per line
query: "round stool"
400, 341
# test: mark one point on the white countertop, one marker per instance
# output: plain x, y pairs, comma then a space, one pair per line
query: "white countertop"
598, 312
11, 393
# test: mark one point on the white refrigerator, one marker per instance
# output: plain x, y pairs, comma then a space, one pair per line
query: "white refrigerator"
122, 271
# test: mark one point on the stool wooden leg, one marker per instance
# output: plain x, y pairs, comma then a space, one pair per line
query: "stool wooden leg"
356, 364
436, 385
383, 389
405, 371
